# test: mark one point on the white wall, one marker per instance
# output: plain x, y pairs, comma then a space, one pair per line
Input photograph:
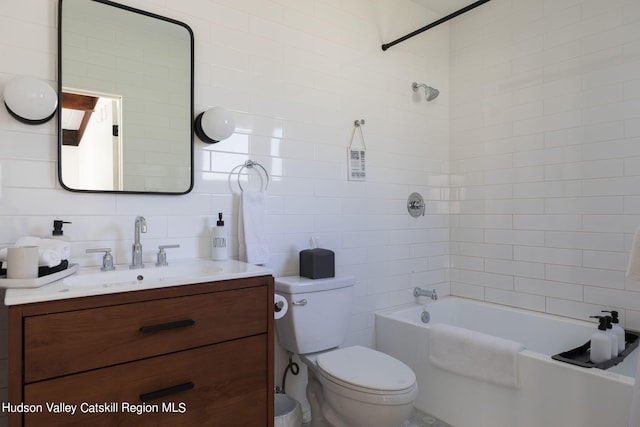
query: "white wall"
298, 73
545, 145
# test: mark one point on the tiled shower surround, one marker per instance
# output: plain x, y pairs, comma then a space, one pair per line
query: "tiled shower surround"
545, 155
529, 160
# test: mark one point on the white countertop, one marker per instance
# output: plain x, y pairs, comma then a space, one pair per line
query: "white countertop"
87, 281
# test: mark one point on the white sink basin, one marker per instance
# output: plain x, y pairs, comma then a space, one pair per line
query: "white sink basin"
193, 272
90, 281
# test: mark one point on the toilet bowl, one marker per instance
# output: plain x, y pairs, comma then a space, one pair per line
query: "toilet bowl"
348, 386
361, 387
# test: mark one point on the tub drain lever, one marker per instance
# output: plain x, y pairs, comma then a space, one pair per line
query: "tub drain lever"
425, 317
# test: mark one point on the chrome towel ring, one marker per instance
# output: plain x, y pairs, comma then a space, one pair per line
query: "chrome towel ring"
249, 164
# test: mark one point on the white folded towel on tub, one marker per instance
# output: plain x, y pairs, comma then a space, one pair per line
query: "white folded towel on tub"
634, 411
475, 354
633, 267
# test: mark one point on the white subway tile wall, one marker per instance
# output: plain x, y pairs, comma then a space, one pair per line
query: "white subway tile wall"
545, 178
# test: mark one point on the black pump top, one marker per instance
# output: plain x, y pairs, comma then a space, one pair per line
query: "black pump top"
614, 315
57, 227
608, 320
602, 322
220, 222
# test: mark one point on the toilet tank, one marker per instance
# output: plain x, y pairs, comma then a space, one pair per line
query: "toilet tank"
319, 312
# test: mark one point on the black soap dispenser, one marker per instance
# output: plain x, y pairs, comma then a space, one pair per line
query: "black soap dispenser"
57, 232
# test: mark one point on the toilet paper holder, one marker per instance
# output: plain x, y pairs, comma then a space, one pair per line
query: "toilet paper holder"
280, 306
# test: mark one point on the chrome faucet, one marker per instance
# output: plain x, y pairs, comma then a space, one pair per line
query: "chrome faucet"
418, 292
136, 253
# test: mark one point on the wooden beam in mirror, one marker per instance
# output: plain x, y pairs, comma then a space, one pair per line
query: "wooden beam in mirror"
84, 105
128, 73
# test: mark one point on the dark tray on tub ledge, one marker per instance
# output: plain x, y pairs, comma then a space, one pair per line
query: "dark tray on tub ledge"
580, 355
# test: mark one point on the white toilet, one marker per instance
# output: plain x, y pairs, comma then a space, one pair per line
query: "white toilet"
350, 386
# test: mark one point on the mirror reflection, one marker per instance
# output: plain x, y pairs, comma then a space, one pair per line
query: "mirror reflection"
126, 85
91, 142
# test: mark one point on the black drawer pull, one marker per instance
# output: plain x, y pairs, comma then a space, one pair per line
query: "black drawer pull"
165, 326
166, 391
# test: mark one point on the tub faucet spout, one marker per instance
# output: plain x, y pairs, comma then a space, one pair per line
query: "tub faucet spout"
136, 250
418, 292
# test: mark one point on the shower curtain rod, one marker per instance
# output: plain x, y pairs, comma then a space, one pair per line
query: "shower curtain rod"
433, 24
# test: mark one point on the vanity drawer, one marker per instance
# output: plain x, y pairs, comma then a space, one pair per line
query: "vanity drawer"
229, 388
76, 341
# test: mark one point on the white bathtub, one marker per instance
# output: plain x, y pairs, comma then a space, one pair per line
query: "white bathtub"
551, 393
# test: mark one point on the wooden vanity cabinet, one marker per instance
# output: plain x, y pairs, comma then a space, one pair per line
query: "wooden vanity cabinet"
193, 355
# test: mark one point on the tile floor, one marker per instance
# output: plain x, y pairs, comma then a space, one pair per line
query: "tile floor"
420, 419
417, 419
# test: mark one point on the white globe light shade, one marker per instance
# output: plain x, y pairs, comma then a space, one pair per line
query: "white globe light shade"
30, 100
217, 123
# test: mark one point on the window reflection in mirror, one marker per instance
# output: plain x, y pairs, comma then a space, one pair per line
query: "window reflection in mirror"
129, 73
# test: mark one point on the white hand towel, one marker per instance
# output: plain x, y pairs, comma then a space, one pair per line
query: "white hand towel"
51, 251
27, 241
634, 411
61, 247
252, 241
475, 354
633, 268
49, 258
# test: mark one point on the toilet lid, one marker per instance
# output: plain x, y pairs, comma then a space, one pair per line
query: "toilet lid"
366, 368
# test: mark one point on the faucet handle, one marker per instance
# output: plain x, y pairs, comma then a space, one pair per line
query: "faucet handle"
107, 259
162, 255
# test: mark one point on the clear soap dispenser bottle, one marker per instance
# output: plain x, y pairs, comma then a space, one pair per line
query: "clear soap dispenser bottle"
219, 241
600, 343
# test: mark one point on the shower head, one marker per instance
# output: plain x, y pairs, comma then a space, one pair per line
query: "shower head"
430, 93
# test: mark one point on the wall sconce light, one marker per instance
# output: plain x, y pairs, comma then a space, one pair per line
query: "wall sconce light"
30, 100
214, 125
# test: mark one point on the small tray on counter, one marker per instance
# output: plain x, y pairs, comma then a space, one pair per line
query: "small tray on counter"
580, 355
38, 282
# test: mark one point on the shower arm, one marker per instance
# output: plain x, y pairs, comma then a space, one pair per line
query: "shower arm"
415, 86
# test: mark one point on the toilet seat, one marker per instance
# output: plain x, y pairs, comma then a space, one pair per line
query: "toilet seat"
364, 370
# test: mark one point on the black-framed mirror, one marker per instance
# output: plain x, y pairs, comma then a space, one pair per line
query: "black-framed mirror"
125, 110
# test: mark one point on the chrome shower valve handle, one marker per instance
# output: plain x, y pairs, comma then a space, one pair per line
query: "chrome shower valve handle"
415, 205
